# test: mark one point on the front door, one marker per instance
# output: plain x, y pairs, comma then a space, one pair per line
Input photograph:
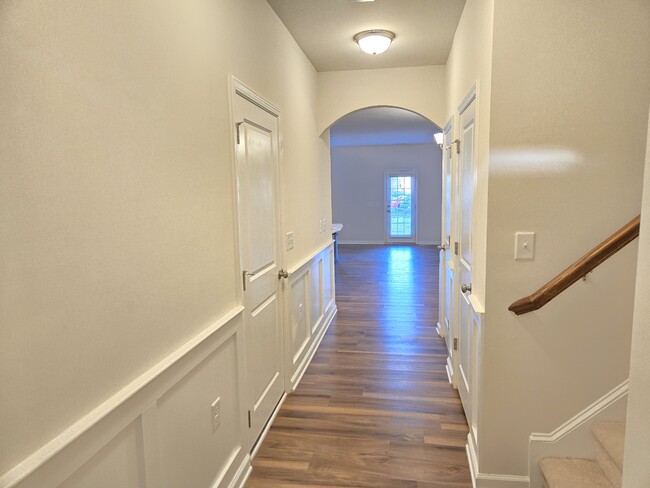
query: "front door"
467, 179
401, 204
257, 182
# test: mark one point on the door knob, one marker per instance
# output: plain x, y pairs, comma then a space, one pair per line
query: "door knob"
443, 247
466, 288
283, 274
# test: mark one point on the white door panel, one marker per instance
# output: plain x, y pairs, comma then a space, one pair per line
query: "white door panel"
257, 192
466, 185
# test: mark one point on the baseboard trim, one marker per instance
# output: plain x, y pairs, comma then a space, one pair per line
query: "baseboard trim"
485, 480
369, 243
573, 438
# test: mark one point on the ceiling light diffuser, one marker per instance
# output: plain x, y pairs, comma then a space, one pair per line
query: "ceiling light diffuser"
374, 41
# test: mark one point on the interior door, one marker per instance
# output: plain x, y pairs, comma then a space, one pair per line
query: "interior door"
401, 206
447, 267
467, 179
257, 186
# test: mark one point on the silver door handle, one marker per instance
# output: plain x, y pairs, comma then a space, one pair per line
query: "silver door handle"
283, 274
466, 288
443, 247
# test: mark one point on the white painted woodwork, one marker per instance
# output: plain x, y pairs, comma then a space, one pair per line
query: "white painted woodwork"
574, 438
256, 154
310, 309
466, 185
447, 300
157, 431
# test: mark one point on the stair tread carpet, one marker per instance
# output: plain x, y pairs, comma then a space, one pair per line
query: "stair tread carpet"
573, 473
611, 436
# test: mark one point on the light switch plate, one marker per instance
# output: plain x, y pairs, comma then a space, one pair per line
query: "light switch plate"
524, 246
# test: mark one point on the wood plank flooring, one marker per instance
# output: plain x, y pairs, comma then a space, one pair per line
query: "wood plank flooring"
374, 408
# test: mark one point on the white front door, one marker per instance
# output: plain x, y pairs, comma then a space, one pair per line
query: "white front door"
401, 206
467, 185
256, 149
447, 267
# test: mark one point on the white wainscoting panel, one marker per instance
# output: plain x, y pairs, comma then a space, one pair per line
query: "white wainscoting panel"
311, 308
123, 451
300, 331
157, 431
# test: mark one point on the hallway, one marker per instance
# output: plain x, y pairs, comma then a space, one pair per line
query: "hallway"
374, 408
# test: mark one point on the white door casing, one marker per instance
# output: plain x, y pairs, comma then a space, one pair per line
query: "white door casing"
257, 180
467, 188
447, 265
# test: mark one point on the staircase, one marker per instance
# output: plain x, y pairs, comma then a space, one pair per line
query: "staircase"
606, 471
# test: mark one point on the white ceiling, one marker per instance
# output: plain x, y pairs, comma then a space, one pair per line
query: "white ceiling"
382, 126
324, 29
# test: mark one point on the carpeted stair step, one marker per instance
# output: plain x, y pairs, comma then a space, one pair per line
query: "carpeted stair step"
573, 473
609, 455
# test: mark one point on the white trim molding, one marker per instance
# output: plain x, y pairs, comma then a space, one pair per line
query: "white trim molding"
485, 480
133, 414
573, 438
310, 308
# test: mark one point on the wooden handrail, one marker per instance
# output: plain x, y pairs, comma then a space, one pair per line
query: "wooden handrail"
579, 269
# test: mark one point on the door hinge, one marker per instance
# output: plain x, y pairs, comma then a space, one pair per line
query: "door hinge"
237, 124
455, 343
249, 419
456, 248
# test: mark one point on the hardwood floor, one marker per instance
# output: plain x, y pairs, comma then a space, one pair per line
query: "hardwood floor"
374, 408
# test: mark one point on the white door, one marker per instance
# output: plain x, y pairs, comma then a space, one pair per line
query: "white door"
446, 255
467, 185
401, 206
257, 187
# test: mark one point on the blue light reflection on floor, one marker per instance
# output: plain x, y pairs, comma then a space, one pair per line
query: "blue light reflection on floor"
400, 311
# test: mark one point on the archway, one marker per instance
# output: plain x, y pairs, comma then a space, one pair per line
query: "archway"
372, 148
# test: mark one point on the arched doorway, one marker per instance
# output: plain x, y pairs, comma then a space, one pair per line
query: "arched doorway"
386, 177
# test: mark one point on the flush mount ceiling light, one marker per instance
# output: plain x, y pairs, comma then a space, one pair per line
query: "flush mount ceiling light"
374, 41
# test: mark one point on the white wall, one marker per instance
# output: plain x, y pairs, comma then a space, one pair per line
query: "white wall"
567, 139
637, 437
116, 191
470, 63
419, 89
358, 189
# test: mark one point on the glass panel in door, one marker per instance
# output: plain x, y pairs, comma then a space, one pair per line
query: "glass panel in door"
401, 222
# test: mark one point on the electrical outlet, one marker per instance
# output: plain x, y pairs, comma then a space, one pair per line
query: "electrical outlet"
289, 241
216, 414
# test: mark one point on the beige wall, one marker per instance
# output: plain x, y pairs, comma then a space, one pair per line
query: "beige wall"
470, 63
358, 189
117, 210
637, 436
567, 139
419, 89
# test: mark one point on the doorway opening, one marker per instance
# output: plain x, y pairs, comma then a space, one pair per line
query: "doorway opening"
386, 178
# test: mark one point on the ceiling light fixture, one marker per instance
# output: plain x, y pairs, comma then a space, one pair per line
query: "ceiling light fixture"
374, 41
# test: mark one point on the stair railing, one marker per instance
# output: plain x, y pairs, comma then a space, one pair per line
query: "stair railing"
579, 269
